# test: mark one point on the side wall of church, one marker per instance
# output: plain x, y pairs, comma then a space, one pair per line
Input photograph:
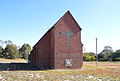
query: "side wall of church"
43, 52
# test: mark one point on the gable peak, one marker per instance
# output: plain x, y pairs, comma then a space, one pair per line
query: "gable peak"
68, 12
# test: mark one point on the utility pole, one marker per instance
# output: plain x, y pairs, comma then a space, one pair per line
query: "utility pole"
96, 53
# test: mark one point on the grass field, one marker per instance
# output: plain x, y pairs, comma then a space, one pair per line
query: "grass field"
105, 71
2, 60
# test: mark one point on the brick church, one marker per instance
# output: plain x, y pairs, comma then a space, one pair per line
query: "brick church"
60, 47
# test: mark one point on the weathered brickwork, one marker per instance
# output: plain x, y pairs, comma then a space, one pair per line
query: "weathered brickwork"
57, 49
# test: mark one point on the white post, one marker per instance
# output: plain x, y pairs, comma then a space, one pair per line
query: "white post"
96, 54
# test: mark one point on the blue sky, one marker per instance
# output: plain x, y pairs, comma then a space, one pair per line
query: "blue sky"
26, 21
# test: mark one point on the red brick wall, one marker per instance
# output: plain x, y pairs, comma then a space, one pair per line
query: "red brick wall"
52, 49
42, 55
62, 51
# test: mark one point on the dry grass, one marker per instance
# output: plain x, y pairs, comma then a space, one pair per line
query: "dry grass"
105, 71
2, 60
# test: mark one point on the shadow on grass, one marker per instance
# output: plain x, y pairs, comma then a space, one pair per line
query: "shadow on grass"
16, 66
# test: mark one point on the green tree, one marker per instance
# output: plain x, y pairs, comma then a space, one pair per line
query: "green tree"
1, 51
25, 51
116, 55
11, 51
103, 57
106, 54
89, 57
8, 42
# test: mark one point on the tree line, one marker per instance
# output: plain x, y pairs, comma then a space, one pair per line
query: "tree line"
106, 55
12, 51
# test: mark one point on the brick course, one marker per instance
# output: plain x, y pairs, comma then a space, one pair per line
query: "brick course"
52, 49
